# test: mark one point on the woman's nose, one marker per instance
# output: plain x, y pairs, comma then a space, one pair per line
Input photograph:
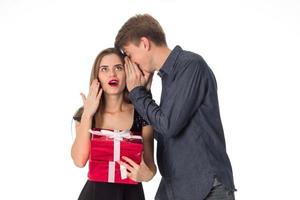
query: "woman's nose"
112, 72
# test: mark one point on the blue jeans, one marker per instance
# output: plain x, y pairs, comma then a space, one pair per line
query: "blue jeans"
219, 192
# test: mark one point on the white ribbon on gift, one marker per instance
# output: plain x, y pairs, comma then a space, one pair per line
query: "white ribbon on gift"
117, 136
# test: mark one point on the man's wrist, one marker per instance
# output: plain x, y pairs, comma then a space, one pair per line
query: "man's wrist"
134, 86
137, 92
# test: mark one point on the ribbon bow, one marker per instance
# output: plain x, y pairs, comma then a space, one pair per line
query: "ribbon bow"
116, 135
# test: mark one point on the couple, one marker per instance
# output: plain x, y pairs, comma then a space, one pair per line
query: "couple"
191, 151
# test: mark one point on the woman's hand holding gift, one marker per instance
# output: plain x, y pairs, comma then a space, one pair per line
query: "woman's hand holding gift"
137, 172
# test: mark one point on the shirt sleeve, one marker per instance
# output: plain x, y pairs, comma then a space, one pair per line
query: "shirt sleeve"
193, 84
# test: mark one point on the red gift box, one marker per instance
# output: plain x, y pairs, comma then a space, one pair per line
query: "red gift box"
107, 147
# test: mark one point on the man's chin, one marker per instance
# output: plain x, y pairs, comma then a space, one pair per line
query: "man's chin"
146, 70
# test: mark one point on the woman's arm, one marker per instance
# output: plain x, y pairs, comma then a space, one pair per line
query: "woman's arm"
81, 147
148, 155
147, 169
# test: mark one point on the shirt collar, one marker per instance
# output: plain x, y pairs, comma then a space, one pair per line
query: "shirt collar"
170, 62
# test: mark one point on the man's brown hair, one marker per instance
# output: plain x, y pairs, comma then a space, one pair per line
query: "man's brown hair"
140, 26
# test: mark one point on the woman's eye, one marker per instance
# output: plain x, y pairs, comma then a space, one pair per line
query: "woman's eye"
119, 68
103, 69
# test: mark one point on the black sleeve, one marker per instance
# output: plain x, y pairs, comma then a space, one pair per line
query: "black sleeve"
78, 114
139, 119
144, 122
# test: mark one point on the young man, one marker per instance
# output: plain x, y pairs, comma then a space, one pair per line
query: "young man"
191, 151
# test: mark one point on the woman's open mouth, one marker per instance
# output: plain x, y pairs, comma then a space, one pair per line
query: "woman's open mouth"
113, 83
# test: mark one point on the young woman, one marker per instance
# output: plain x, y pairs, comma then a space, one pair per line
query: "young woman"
107, 107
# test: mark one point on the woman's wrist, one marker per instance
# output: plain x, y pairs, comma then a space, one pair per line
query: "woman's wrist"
146, 174
86, 116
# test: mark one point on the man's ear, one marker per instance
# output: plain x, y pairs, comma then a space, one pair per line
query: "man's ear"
145, 42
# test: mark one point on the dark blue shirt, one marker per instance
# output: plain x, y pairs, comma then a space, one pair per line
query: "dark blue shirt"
191, 149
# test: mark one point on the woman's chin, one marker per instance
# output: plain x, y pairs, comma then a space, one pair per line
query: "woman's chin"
114, 92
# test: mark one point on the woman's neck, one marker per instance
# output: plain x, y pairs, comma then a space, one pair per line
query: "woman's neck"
114, 103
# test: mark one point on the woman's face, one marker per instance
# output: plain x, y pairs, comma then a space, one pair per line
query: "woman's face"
112, 74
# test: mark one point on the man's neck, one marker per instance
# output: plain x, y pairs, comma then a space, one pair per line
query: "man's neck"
160, 56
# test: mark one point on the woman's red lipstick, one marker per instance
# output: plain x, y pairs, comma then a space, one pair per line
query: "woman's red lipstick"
113, 83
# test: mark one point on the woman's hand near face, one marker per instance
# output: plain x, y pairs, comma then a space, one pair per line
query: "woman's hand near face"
81, 147
91, 102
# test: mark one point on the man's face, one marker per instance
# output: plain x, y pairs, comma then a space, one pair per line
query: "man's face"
138, 55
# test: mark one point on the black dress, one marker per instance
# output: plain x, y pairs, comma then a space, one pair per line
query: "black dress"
114, 191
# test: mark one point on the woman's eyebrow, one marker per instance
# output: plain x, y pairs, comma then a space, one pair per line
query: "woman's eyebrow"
103, 66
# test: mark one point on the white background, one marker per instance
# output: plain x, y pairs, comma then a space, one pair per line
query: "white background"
47, 49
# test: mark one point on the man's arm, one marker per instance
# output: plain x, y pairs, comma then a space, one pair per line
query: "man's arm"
192, 86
